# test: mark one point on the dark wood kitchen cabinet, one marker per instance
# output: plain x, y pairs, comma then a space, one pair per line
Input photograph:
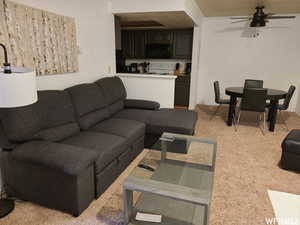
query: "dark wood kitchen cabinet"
139, 44
134, 42
183, 44
182, 91
128, 44
159, 37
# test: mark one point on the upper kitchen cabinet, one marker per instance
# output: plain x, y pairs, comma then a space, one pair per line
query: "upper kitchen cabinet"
179, 43
183, 44
139, 44
159, 37
133, 44
128, 44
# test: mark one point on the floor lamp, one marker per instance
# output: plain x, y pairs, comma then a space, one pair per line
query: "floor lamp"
17, 88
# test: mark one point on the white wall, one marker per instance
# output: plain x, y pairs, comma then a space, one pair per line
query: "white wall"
95, 36
159, 88
195, 66
193, 10
140, 6
230, 57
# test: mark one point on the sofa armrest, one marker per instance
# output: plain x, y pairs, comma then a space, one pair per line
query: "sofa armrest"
141, 104
65, 158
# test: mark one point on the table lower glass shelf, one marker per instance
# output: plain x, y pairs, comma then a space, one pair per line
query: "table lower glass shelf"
175, 182
174, 211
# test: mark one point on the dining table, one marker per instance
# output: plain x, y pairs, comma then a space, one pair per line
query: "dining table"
273, 95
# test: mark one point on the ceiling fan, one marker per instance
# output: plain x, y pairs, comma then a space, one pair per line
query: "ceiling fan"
260, 18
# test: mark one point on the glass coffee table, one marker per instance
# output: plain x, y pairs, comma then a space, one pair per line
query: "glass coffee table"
174, 180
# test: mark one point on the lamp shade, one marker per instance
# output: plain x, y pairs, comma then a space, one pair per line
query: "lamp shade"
17, 89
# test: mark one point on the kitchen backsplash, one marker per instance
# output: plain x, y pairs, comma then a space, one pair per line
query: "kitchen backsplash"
161, 65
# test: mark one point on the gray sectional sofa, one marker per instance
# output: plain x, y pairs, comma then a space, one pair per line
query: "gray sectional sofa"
65, 150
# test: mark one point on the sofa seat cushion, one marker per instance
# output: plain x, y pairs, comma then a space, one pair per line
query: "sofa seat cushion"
163, 120
108, 146
129, 129
67, 159
173, 121
140, 115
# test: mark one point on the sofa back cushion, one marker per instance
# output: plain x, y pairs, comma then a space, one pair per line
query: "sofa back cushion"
51, 119
20, 124
114, 92
56, 114
89, 103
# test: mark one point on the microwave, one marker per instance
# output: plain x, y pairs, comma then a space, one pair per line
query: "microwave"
158, 51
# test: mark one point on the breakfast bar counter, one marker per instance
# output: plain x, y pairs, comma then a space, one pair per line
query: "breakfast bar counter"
148, 75
154, 87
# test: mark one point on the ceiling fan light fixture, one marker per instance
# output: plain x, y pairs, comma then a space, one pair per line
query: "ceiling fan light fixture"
260, 18
258, 23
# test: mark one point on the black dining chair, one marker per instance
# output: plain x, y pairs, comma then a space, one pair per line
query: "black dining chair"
218, 98
253, 83
254, 100
285, 105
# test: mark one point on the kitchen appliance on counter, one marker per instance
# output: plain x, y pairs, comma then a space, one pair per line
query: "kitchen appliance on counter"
144, 67
188, 68
134, 68
177, 69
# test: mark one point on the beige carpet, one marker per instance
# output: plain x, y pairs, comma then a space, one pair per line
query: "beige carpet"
246, 169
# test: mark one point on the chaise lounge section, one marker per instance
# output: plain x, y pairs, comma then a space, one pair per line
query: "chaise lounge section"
66, 150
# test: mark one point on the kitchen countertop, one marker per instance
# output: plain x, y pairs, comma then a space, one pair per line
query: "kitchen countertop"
144, 75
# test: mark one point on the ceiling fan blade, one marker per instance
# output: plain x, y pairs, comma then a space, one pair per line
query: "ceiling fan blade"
240, 21
240, 18
270, 14
281, 17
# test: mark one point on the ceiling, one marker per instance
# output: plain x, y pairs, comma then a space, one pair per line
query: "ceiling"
163, 19
247, 7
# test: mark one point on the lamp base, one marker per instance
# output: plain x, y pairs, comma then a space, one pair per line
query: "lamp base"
6, 206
